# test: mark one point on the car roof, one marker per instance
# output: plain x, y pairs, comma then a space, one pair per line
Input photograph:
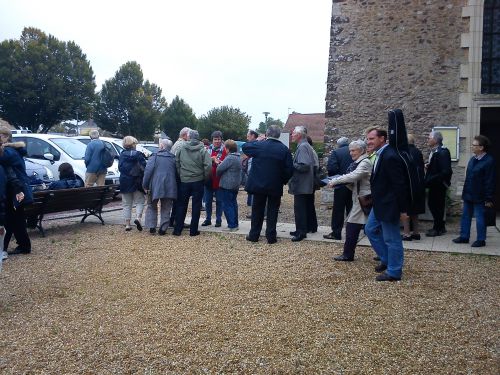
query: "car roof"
39, 135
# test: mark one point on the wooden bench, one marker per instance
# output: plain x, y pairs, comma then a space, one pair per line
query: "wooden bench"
88, 199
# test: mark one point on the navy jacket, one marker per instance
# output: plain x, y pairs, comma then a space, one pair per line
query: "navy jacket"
65, 183
13, 157
272, 167
389, 186
479, 183
131, 166
9, 187
439, 170
338, 161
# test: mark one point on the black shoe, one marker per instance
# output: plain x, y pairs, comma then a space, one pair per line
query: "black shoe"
435, 232
174, 233
460, 240
386, 277
332, 236
270, 241
293, 233
478, 244
406, 238
381, 267
343, 258
19, 250
248, 238
218, 224
152, 230
138, 225
162, 232
206, 223
298, 237
416, 236
195, 233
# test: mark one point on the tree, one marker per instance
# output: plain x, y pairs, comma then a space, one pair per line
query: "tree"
44, 81
178, 115
231, 121
129, 106
270, 121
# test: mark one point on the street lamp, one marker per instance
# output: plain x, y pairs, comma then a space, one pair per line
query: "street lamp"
266, 114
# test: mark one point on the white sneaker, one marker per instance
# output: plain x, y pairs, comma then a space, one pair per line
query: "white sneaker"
5, 255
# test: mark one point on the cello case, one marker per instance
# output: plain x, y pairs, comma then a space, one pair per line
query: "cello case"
398, 139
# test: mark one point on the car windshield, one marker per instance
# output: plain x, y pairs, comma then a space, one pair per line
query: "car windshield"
73, 147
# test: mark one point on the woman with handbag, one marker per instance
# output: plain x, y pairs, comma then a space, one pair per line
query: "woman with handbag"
160, 185
358, 180
478, 191
131, 166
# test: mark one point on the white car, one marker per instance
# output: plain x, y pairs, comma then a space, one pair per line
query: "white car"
52, 150
115, 145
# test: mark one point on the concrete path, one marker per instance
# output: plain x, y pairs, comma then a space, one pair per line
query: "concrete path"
442, 243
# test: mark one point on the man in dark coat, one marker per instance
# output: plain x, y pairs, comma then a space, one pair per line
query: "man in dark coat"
389, 189
272, 167
338, 162
437, 180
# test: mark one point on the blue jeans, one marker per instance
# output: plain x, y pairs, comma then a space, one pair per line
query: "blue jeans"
386, 241
477, 209
207, 198
230, 206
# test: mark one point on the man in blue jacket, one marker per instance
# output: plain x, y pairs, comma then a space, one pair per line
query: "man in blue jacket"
96, 171
389, 190
272, 167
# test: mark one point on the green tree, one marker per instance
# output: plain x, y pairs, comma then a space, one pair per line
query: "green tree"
231, 121
178, 115
44, 81
129, 106
270, 121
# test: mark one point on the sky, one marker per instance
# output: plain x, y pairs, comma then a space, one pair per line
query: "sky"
258, 55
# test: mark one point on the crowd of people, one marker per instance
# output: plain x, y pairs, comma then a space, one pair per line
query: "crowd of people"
379, 183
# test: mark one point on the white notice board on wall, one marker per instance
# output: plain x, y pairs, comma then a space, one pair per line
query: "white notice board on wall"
451, 136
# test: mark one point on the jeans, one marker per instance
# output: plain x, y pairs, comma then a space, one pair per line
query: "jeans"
386, 241
477, 209
187, 190
207, 198
230, 206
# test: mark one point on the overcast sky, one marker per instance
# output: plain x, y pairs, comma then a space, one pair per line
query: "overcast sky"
257, 55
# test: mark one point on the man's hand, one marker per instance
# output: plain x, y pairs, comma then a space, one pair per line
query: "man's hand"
488, 204
20, 196
403, 216
261, 137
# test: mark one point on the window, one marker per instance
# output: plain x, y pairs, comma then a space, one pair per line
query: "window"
490, 66
36, 148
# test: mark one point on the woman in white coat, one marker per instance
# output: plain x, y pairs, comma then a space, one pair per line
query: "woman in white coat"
358, 180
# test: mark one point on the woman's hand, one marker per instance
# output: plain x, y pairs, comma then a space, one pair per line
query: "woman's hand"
488, 204
20, 196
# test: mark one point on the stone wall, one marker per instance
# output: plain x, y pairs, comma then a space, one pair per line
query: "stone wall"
388, 54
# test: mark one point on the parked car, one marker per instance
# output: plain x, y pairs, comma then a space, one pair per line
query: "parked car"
114, 145
40, 176
52, 150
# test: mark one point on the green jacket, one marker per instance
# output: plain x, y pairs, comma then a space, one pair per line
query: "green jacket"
193, 162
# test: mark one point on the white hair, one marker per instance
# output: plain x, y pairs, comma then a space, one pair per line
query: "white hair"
94, 134
358, 144
165, 144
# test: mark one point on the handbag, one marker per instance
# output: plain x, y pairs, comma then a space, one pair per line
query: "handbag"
365, 201
490, 216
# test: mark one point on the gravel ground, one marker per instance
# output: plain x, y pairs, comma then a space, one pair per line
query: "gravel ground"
94, 299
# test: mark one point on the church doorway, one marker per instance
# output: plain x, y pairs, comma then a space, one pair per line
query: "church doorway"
490, 127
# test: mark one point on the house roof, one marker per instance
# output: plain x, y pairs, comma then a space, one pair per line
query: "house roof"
314, 122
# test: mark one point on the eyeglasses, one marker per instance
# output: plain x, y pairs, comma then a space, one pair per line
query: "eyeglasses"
475, 145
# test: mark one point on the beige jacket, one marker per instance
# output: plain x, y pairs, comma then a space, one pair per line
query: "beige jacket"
362, 174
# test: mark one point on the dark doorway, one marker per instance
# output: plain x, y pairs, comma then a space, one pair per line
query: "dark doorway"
490, 127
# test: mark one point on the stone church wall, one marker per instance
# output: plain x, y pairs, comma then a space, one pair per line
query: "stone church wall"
388, 54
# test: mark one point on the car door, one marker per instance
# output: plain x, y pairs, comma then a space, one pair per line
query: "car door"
36, 149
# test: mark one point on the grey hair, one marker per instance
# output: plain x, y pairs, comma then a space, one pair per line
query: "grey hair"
437, 136
184, 131
165, 144
94, 134
358, 144
301, 130
342, 141
193, 134
273, 131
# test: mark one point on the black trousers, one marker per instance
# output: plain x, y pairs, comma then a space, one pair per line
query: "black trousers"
351, 238
259, 202
188, 190
15, 224
301, 207
342, 204
312, 219
436, 202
